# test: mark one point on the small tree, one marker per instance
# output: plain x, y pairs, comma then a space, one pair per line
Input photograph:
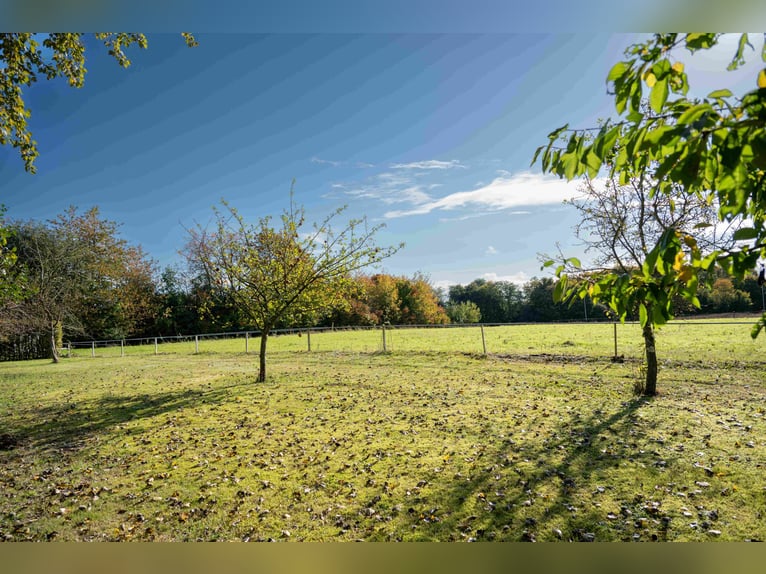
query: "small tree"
464, 312
282, 276
619, 226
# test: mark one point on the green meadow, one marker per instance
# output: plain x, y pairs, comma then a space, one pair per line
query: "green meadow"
541, 439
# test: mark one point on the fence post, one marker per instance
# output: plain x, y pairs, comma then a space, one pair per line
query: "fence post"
483, 341
122, 347
247, 342
93, 349
69, 350
196, 344
308, 338
384, 337
615, 341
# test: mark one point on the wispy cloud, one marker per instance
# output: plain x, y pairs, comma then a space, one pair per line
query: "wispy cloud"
389, 188
429, 164
524, 189
333, 163
491, 251
320, 161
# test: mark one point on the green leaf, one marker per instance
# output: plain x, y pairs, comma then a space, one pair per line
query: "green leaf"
643, 316
739, 58
694, 113
659, 95
697, 41
570, 164
559, 289
575, 262
618, 70
557, 132
720, 94
744, 233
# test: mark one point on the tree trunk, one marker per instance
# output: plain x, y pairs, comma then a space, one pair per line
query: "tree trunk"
650, 388
54, 347
262, 366
59, 335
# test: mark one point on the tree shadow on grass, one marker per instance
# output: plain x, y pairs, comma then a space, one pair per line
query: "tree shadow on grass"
550, 490
69, 425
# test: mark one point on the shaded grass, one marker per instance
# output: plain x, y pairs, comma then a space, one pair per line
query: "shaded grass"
406, 445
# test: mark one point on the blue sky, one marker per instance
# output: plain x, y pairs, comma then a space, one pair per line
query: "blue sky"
431, 134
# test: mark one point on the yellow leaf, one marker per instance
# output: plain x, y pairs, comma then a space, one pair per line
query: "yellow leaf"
686, 273
762, 78
679, 262
678, 67
651, 79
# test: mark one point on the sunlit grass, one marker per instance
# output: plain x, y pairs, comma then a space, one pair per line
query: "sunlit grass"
540, 440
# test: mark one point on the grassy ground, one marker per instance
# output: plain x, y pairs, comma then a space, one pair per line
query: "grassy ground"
541, 440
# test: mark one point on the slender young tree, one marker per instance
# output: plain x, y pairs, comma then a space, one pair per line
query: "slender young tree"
282, 275
619, 227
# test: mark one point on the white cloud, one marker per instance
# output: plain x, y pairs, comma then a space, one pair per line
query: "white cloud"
518, 278
429, 164
524, 189
491, 251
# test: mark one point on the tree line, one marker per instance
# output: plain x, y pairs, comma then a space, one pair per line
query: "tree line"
74, 277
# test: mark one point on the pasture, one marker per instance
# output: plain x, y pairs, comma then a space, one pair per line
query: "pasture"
542, 439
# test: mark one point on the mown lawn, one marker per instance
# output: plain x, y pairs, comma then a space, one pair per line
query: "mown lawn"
541, 440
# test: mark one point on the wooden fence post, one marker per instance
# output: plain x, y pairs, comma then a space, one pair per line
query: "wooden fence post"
155, 345
196, 344
483, 341
93, 349
615, 341
247, 342
384, 337
122, 347
308, 338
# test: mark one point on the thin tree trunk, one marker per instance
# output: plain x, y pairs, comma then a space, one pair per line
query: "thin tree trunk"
54, 348
59, 335
650, 388
262, 366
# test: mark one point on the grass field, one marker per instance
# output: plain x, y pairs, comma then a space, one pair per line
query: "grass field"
540, 440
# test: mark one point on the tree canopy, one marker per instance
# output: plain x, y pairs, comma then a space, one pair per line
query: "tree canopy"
282, 275
77, 276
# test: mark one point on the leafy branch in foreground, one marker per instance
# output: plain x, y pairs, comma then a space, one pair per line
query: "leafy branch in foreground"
281, 275
25, 56
711, 148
